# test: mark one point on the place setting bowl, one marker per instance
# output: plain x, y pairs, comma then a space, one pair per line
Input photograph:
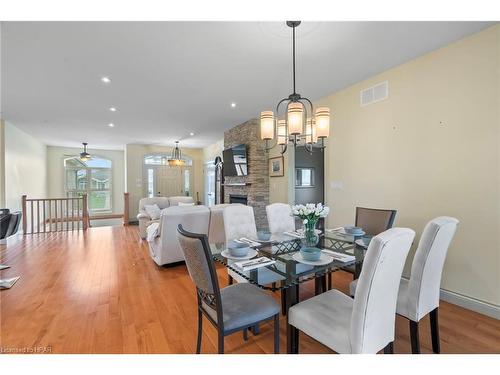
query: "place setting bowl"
312, 256
353, 230
238, 250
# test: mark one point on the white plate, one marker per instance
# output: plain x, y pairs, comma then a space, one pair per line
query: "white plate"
261, 241
301, 231
324, 259
361, 243
250, 255
342, 232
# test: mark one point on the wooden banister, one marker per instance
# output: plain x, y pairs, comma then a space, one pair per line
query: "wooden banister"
85, 212
23, 208
39, 217
126, 208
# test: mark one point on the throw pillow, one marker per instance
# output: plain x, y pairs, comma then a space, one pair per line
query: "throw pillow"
153, 211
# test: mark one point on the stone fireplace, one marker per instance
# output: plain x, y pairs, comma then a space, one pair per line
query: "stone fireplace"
255, 185
236, 198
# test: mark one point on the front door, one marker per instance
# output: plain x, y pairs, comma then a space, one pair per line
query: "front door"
169, 181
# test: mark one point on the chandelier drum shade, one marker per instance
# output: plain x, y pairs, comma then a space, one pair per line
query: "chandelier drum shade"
295, 120
176, 159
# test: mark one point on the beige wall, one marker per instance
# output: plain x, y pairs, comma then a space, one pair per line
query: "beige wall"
213, 150
25, 167
282, 189
55, 168
134, 158
430, 149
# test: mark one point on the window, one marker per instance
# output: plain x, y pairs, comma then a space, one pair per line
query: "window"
151, 183
186, 182
93, 178
162, 159
304, 177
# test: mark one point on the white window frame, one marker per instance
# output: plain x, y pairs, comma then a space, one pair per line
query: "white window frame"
74, 192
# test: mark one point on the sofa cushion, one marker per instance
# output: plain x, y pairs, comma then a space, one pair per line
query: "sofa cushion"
174, 201
153, 211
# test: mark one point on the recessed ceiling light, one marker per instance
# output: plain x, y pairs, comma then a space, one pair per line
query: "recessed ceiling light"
111, 125
191, 134
106, 80
233, 105
112, 109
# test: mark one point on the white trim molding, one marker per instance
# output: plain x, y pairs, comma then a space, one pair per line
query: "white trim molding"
470, 303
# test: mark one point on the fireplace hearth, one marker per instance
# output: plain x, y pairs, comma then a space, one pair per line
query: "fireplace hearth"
238, 198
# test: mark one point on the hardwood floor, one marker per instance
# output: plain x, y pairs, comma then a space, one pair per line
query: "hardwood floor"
99, 292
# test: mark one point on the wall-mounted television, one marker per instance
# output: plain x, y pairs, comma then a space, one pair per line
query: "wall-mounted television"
235, 161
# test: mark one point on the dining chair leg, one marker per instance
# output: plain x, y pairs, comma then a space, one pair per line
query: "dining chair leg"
414, 337
292, 333
200, 330
229, 279
389, 349
436, 347
277, 334
245, 334
292, 339
254, 329
330, 281
283, 303
221, 343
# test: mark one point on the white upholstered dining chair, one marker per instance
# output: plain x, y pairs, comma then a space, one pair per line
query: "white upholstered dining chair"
366, 323
239, 221
280, 218
419, 295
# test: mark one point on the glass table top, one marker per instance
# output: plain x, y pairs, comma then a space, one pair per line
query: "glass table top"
286, 271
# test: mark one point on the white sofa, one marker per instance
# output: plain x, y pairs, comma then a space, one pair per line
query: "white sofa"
165, 248
162, 202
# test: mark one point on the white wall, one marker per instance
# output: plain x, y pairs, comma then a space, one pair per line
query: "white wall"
25, 167
430, 149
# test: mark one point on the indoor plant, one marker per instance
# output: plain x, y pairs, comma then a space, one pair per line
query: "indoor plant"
309, 215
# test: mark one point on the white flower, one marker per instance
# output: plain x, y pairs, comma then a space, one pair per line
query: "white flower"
305, 221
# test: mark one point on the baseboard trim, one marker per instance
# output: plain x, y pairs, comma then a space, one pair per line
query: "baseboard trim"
469, 303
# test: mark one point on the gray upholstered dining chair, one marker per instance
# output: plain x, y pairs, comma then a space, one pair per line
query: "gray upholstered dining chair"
365, 324
373, 221
419, 295
231, 309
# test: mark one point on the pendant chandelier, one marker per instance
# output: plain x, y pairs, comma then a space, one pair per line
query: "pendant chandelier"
85, 156
176, 159
297, 123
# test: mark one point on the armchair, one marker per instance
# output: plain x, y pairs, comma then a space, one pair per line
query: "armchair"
165, 248
143, 217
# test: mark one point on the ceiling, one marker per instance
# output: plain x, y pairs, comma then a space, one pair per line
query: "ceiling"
169, 79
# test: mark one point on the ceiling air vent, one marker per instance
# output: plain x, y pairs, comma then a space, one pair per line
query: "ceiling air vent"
374, 94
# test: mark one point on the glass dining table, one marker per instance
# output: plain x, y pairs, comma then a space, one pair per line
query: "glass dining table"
286, 273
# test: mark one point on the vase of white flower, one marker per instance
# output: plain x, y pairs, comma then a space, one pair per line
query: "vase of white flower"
310, 214
310, 238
